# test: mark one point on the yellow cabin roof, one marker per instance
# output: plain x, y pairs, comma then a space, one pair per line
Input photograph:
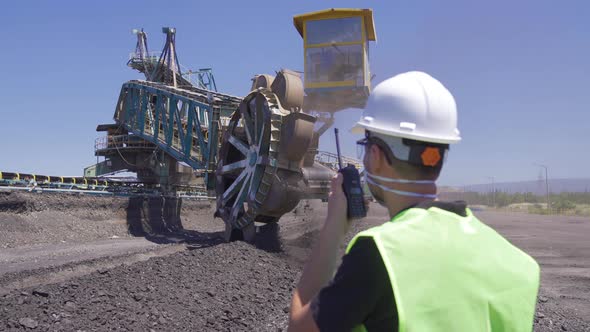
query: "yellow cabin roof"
338, 13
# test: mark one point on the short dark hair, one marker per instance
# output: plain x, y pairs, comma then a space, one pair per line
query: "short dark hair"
416, 172
407, 169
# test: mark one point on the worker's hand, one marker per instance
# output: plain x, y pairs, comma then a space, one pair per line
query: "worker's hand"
337, 206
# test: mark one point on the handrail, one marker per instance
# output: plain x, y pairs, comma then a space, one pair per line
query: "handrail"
331, 160
121, 141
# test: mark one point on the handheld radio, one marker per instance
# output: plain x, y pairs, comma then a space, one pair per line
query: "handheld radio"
351, 185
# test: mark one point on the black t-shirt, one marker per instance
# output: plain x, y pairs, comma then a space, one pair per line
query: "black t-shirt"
361, 292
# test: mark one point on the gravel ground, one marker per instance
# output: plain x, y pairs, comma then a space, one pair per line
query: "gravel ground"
213, 286
229, 287
553, 316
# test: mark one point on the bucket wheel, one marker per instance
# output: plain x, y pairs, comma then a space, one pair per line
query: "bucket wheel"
246, 162
259, 171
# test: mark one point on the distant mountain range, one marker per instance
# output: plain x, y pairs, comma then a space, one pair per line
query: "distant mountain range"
535, 187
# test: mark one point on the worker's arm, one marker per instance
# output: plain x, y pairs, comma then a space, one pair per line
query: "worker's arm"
322, 261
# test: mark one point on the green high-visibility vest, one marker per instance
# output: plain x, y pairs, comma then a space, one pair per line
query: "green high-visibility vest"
454, 273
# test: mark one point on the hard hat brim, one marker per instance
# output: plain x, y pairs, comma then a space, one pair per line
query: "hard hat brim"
359, 128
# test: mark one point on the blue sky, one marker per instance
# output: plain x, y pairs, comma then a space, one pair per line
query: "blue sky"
519, 71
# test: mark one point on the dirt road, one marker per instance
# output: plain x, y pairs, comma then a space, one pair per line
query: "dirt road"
561, 245
186, 278
44, 256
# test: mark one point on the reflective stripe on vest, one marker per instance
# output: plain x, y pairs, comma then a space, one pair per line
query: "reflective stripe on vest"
454, 273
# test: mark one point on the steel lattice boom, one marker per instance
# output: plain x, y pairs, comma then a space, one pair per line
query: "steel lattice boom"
183, 123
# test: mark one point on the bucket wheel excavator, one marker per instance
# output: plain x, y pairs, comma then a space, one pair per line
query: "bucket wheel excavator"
259, 154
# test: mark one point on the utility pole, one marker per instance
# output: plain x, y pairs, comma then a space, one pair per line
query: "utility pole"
465, 196
493, 190
546, 186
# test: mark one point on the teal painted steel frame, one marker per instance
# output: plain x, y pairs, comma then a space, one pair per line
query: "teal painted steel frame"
147, 108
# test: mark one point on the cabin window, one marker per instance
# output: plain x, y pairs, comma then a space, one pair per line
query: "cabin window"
347, 29
335, 63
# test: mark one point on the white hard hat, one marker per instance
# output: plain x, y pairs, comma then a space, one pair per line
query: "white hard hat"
411, 105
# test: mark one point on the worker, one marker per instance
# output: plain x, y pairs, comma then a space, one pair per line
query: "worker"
434, 266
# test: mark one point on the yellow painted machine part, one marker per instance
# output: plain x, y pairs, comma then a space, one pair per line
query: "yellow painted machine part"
367, 33
367, 14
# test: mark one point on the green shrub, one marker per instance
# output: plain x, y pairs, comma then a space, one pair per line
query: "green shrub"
562, 205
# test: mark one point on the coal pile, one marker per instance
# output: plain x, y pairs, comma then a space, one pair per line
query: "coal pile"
228, 287
28, 219
224, 287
